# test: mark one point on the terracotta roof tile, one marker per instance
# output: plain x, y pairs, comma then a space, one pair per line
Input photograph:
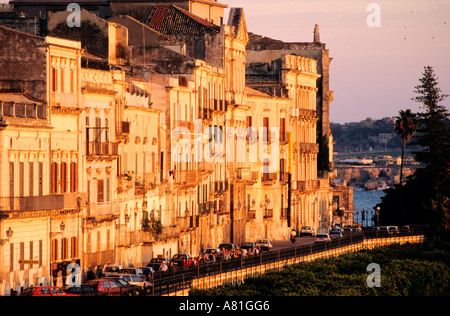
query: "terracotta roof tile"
170, 19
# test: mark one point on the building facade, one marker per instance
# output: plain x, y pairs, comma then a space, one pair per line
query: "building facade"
153, 138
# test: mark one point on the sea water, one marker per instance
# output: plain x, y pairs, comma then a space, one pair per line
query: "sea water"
366, 200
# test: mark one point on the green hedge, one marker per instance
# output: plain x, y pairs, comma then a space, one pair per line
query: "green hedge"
406, 270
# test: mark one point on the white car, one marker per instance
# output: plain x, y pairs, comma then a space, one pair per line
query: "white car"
264, 244
135, 280
322, 237
111, 270
307, 230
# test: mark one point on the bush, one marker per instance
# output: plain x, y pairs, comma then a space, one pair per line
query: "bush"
406, 270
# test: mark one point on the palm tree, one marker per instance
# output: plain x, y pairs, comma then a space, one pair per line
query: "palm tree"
405, 127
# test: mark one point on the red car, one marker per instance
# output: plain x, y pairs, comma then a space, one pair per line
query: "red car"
109, 286
45, 291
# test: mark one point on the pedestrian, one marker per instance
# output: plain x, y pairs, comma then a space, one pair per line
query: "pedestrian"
163, 267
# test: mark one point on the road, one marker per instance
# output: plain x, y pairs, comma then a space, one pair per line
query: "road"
280, 244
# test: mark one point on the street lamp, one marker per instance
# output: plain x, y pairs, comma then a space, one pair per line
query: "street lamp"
62, 227
9, 234
378, 215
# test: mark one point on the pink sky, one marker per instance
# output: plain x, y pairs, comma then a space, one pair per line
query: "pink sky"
374, 70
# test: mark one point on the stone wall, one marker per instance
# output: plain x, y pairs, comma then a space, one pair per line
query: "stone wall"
19, 61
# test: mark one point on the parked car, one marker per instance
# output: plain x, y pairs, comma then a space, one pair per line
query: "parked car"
322, 237
111, 269
264, 244
335, 234
85, 290
135, 271
213, 251
389, 230
249, 246
45, 291
393, 230
155, 263
179, 259
405, 229
132, 289
307, 231
143, 286
227, 246
108, 286
148, 272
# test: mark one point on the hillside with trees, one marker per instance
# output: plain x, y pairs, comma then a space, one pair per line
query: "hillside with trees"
369, 134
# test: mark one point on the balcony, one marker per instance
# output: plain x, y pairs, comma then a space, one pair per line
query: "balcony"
268, 213
146, 182
205, 113
219, 105
189, 125
187, 178
246, 175
269, 178
23, 110
58, 99
308, 147
102, 150
42, 203
307, 185
284, 177
251, 214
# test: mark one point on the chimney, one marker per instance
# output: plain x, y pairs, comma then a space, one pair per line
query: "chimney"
316, 34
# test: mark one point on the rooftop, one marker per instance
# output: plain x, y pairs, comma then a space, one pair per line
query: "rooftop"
170, 19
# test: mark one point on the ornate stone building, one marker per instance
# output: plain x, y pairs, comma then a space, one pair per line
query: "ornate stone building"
150, 137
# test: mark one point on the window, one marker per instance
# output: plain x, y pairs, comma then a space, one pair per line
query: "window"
11, 179
21, 178
19, 110
11, 257
266, 170
41, 176
31, 177
8, 109
62, 80
100, 191
108, 188
64, 248
22, 256
54, 252
63, 177
283, 129
72, 81
45, 291
54, 79
73, 177
54, 177
74, 247
266, 135
41, 251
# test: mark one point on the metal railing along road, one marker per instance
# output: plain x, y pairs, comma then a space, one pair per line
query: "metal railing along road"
181, 277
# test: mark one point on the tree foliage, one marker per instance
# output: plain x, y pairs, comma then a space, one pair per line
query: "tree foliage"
405, 126
424, 198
